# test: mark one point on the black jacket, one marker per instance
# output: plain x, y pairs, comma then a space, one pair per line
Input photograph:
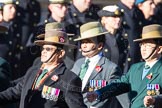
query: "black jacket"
68, 83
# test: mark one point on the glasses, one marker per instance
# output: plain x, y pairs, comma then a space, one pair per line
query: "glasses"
48, 49
147, 45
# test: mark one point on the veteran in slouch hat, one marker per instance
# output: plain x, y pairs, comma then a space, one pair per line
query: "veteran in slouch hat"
153, 31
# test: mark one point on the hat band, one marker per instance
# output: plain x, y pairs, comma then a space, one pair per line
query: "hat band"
92, 32
152, 34
52, 39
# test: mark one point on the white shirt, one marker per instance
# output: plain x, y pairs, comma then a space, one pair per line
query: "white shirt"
93, 62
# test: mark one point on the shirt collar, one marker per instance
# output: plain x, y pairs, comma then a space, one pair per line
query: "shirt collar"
152, 63
94, 58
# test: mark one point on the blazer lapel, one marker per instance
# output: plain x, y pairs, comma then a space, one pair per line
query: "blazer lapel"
56, 72
154, 71
33, 75
95, 71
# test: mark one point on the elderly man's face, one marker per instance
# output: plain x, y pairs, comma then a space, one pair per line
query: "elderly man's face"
9, 12
47, 52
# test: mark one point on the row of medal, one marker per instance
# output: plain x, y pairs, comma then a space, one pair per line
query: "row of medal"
96, 84
153, 89
50, 93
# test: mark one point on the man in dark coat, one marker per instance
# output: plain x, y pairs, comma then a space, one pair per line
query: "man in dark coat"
131, 29
49, 84
115, 47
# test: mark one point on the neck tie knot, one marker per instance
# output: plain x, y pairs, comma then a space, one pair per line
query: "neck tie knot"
147, 67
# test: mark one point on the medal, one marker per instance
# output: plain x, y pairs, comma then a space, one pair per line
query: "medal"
99, 84
152, 89
96, 84
44, 91
148, 89
91, 85
48, 93
157, 88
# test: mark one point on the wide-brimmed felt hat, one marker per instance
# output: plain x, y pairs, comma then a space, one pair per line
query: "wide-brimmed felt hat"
9, 1
54, 37
54, 26
153, 31
110, 11
90, 30
59, 1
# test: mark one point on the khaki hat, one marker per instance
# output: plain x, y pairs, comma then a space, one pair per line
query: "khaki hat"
110, 11
153, 31
90, 30
53, 26
59, 1
56, 38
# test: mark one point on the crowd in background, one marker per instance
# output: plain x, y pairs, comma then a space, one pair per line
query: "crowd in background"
22, 23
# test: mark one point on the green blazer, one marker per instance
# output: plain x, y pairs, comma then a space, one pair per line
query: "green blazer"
132, 82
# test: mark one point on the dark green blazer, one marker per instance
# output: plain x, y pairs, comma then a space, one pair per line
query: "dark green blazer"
132, 82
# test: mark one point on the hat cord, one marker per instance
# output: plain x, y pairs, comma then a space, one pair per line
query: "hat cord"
151, 52
51, 55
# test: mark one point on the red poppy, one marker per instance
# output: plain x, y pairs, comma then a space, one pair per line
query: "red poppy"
98, 68
149, 76
61, 39
54, 77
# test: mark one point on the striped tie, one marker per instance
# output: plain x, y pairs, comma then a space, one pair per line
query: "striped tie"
84, 68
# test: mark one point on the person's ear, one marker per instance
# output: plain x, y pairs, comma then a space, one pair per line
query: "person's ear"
160, 50
50, 7
62, 53
139, 6
100, 46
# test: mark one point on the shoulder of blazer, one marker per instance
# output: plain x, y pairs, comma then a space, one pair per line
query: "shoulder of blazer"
107, 62
136, 65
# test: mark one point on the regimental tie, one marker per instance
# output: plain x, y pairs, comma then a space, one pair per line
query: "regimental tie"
84, 68
44, 72
145, 71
